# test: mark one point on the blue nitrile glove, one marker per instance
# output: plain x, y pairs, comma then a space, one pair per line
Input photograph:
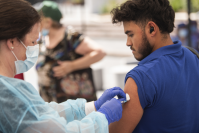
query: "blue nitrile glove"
112, 110
108, 95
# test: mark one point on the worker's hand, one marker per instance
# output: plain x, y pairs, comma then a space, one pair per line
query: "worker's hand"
63, 68
112, 110
108, 95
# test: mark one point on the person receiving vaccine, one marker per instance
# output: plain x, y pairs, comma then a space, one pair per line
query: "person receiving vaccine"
22, 110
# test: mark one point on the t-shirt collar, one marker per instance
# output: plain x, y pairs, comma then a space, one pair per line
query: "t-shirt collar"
169, 49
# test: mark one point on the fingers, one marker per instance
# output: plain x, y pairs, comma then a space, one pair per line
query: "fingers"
58, 71
119, 107
116, 88
116, 101
59, 62
57, 68
121, 99
119, 93
59, 74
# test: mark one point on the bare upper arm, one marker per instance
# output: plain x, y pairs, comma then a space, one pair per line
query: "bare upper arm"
132, 111
87, 46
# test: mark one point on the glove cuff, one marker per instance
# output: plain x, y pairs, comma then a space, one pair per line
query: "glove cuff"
89, 107
103, 112
96, 105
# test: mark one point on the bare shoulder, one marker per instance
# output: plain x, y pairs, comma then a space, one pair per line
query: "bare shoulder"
132, 111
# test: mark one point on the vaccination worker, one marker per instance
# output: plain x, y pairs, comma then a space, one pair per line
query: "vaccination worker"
164, 86
22, 110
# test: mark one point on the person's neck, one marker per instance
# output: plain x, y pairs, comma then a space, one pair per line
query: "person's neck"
55, 37
163, 41
53, 31
6, 69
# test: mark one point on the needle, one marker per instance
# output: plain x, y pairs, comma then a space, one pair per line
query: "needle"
127, 99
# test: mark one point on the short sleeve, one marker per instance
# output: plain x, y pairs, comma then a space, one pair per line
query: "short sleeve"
74, 37
146, 88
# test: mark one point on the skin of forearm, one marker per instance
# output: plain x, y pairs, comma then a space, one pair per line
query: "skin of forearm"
88, 59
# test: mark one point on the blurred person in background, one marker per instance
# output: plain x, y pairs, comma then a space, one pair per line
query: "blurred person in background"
194, 35
65, 57
22, 110
182, 35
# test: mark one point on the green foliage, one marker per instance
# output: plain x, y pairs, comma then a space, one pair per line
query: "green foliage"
178, 5
194, 5
77, 1
110, 5
181, 5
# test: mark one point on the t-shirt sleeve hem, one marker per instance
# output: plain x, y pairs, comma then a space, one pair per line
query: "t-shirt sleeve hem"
141, 92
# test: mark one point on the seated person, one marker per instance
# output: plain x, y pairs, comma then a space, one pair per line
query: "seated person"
164, 87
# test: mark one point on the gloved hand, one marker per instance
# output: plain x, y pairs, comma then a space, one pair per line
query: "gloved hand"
108, 95
112, 110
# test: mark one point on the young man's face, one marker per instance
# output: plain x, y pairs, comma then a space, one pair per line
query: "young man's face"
137, 40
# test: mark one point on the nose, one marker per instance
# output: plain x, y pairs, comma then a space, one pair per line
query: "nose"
128, 42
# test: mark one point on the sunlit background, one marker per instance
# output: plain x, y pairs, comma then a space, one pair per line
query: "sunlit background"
92, 18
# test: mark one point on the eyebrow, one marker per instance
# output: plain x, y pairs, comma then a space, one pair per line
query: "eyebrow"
128, 31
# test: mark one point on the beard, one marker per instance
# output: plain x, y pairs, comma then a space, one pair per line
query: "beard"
145, 48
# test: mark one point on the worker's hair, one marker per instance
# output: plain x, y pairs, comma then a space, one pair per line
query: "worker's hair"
143, 11
17, 17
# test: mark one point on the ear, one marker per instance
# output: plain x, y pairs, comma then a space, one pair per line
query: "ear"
12, 43
152, 28
49, 22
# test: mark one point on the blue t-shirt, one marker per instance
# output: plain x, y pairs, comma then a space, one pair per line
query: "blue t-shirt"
168, 89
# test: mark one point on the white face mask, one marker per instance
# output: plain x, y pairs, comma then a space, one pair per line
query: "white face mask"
31, 55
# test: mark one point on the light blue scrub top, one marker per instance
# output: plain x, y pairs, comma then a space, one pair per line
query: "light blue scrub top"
22, 110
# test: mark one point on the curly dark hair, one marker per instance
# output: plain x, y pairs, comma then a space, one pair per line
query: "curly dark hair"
142, 11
